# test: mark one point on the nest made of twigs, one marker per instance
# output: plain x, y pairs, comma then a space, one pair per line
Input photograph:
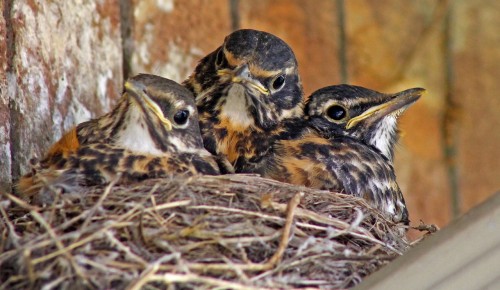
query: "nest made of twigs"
231, 231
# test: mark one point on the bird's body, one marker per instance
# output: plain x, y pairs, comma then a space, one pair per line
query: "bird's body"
346, 145
250, 101
153, 131
245, 90
338, 164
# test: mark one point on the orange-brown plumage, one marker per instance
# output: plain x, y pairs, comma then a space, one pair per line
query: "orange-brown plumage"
153, 131
232, 146
249, 96
68, 144
346, 144
245, 90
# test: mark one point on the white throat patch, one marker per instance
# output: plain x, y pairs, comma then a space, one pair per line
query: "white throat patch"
235, 107
136, 136
382, 137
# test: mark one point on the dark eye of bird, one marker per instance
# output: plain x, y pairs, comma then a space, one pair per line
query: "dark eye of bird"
336, 112
181, 117
219, 58
278, 82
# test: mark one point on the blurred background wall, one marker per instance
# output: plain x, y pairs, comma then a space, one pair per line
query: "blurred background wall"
63, 62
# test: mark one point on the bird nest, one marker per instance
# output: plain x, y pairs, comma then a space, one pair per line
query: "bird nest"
231, 231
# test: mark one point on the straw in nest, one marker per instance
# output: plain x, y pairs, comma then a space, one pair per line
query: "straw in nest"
232, 231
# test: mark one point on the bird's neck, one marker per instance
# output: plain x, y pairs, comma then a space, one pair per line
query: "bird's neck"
236, 108
127, 126
141, 132
384, 136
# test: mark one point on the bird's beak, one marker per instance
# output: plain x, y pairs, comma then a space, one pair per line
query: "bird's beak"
242, 75
137, 90
394, 104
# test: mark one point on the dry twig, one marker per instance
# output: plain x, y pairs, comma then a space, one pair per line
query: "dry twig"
232, 231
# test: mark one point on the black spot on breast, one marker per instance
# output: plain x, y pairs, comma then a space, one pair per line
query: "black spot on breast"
100, 146
363, 179
61, 163
88, 164
135, 176
92, 176
369, 171
130, 161
114, 158
154, 164
87, 151
310, 149
222, 133
99, 155
204, 167
57, 159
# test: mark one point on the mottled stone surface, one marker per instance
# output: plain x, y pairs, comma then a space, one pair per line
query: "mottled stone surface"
5, 160
169, 37
309, 27
383, 38
476, 47
66, 66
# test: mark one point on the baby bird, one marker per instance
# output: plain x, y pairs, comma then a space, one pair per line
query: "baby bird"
246, 90
346, 145
360, 113
153, 131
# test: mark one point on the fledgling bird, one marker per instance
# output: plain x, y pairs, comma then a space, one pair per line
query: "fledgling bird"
346, 145
246, 90
153, 131
360, 113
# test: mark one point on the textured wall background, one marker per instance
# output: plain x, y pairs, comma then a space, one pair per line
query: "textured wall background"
62, 62
63, 65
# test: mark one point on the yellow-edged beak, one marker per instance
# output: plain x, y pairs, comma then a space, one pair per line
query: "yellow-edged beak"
241, 75
396, 102
150, 104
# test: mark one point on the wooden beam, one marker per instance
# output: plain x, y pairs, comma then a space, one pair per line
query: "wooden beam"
464, 255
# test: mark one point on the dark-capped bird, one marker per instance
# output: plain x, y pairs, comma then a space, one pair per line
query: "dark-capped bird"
246, 90
153, 131
346, 145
